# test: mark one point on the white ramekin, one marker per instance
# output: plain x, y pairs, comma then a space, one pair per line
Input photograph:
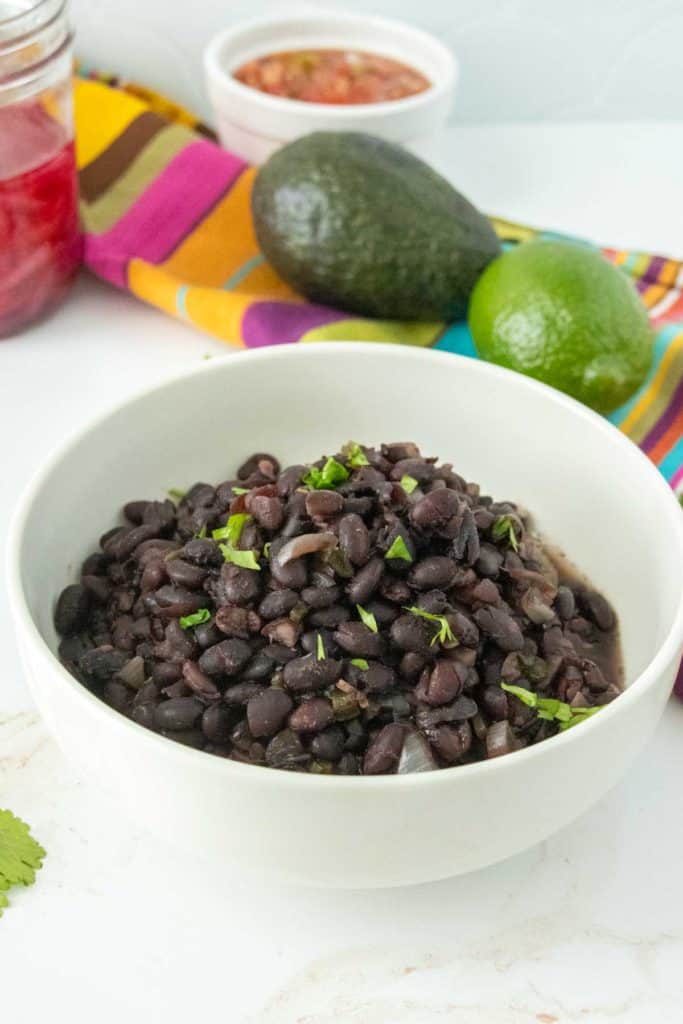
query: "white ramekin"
254, 124
589, 487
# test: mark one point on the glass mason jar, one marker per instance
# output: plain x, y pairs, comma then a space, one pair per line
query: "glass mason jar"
40, 241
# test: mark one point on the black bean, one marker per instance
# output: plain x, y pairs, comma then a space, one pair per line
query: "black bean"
202, 552
460, 710
277, 603
323, 504
95, 564
362, 505
101, 663
412, 633
71, 613
241, 586
289, 480
452, 742
286, 751
268, 511
435, 509
329, 617
307, 674
294, 574
377, 678
309, 642
144, 714
329, 744
384, 612
253, 465
489, 562
217, 722
442, 683
177, 644
207, 634
171, 602
597, 609
354, 539
124, 542
280, 653
312, 715
165, 672
184, 574
160, 515
226, 658
437, 571
260, 667
394, 590
400, 450
116, 695
495, 703
98, 587
358, 640
384, 751
178, 713
366, 581
240, 693
282, 631
199, 682
501, 628
267, 712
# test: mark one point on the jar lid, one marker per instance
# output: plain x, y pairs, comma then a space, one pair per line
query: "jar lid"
32, 33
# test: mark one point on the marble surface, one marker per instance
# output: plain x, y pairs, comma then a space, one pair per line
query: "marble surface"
587, 927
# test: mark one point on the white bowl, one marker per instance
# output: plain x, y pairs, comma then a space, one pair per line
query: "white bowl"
592, 491
254, 124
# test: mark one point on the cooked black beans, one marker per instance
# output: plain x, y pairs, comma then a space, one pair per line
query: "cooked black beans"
363, 627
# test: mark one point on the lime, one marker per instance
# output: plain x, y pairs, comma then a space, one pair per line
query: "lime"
561, 313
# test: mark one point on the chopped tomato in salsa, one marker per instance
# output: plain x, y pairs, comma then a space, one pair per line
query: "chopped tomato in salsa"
332, 76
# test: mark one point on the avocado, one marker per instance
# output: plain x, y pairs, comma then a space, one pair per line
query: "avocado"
349, 220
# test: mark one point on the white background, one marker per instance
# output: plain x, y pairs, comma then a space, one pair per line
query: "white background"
568, 60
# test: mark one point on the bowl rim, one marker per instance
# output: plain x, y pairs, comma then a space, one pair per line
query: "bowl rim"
340, 113
668, 650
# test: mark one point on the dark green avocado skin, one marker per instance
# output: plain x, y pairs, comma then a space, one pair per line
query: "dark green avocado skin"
350, 220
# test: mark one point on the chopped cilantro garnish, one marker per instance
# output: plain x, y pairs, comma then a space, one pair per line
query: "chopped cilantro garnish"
245, 559
266, 549
398, 549
174, 492
196, 619
444, 633
329, 476
367, 618
201, 534
408, 483
549, 708
360, 663
504, 529
232, 531
240, 490
320, 648
20, 855
355, 456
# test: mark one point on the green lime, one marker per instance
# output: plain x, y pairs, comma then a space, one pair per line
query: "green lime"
561, 313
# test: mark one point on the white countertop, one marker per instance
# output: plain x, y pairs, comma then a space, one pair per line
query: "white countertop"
586, 927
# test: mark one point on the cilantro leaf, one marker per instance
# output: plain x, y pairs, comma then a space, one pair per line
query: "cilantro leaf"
239, 490
320, 648
408, 483
504, 529
201, 534
266, 549
174, 492
355, 456
328, 477
549, 708
232, 531
20, 855
360, 663
398, 549
245, 559
444, 633
367, 618
196, 619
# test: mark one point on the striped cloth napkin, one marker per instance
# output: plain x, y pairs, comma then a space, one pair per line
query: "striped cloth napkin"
167, 216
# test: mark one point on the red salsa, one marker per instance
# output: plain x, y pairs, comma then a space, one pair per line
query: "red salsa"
332, 76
